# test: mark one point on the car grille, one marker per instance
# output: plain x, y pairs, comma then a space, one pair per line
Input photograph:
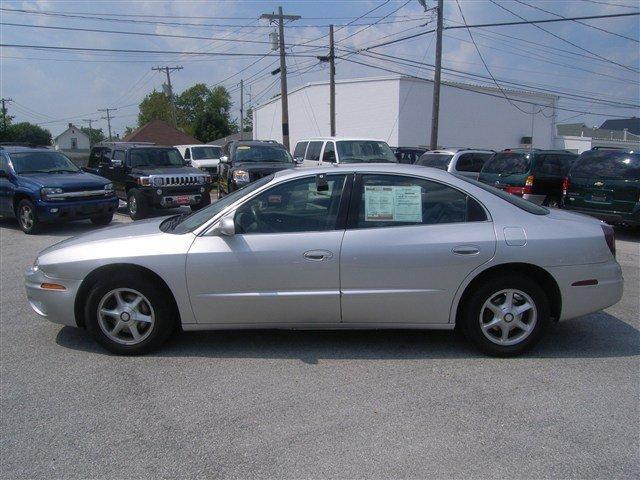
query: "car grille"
178, 180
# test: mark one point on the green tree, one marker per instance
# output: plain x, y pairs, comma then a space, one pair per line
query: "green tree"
214, 120
190, 104
26, 132
96, 135
248, 120
154, 106
127, 131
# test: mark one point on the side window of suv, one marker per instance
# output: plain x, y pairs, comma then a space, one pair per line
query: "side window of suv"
301, 147
295, 206
394, 200
313, 152
329, 154
99, 155
118, 155
465, 163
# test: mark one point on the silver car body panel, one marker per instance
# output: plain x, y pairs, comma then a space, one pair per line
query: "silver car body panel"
395, 277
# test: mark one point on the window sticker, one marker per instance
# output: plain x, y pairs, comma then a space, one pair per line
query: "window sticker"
393, 203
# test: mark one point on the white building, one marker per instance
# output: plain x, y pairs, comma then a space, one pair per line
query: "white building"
72, 139
398, 110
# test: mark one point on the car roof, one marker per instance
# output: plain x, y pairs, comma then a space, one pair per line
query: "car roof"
390, 168
196, 145
23, 148
335, 139
453, 151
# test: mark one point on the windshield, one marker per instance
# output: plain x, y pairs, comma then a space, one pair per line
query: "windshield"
369, 151
42, 162
156, 157
435, 160
183, 224
514, 200
607, 164
508, 163
262, 153
202, 153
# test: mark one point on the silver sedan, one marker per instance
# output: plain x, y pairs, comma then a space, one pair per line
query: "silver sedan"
359, 246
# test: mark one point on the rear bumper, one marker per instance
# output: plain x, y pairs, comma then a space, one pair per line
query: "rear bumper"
78, 210
582, 300
630, 218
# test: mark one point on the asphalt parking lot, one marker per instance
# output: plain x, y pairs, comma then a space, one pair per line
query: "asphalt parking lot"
316, 404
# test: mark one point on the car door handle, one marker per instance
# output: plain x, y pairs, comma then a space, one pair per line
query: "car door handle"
466, 250
317, 255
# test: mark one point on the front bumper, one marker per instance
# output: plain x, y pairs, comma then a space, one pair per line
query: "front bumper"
167, 197
55, 305
53, 211
582, 300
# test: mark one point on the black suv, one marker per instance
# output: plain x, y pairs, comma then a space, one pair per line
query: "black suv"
246, 161
149, 176
535, 175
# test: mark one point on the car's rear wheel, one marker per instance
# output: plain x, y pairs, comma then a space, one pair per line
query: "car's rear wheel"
102, 219
136, 205
552, 202
27, 217
129, 314
505, 316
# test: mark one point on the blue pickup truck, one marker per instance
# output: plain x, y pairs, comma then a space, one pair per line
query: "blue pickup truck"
40, 185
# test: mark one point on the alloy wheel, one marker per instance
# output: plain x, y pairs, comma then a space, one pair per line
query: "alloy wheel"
126, 316
26, 217
508, 317
133, 205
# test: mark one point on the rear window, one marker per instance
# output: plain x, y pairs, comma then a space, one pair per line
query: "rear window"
514, 200
508, 162
607, 164
435, 160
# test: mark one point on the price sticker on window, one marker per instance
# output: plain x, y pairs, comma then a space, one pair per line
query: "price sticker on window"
390, 203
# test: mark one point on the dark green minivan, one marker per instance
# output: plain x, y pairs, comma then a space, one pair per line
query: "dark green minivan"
605, 184
535, 175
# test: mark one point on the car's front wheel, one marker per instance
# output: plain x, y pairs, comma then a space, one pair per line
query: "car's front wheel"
505, 316
136, 205
102, 219
129, 314
27, 217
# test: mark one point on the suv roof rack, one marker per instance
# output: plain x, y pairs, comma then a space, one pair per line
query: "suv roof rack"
23, 144
108, 143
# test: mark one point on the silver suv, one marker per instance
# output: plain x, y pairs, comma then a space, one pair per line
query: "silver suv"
464, 161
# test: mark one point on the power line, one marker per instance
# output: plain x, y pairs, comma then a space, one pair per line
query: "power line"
502, 24
578, 22
611, 4
626, 67
376, 22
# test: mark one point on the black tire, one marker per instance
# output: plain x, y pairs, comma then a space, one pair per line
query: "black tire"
27, 217
137, 207
102, 219
206, 200
488, 289
552, 202
165, 314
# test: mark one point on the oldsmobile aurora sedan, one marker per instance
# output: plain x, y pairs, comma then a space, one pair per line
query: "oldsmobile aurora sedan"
352, 247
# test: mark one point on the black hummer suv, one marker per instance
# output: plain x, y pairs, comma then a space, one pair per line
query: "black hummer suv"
147, 176
248, 160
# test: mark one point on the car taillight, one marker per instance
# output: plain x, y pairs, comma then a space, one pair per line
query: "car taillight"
609, 237
565, 185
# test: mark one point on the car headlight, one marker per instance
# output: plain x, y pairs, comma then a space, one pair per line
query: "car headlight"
144, 181
241, 176
158, 181
46, 192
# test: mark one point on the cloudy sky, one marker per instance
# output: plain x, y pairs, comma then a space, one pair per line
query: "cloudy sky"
593, 70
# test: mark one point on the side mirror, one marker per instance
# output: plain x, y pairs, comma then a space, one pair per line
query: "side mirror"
224, 159
226, 227
298, 160
116, 163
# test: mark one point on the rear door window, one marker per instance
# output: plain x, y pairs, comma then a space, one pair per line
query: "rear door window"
608, 165
508, 162
313, 152
301, 147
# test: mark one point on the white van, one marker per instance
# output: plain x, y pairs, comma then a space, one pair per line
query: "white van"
319, 151
204, 157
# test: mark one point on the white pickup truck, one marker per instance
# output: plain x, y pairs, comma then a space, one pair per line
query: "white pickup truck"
204, 157
322, 151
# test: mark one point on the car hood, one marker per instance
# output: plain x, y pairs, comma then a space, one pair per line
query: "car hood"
69, 181
165, 171
206, 162
263, 166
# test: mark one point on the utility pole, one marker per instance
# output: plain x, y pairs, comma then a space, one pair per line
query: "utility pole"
435, 113
241, 109
332, 81
4, 112
108, 117
169, 92
280, 18
89, 121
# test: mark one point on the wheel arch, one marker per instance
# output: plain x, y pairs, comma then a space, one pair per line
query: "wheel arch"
18, 197
117, 268
546, 281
